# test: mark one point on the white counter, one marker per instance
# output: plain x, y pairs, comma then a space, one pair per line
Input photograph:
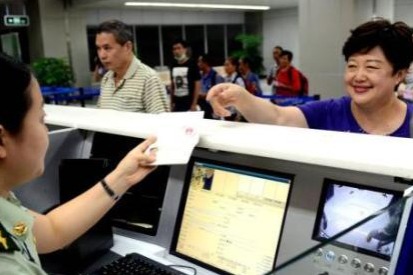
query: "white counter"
359, 152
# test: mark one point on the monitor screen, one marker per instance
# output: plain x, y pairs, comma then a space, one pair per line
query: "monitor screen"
231, 217
343, 204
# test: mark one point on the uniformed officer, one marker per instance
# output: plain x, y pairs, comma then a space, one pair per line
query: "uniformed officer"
17, 244
23, 144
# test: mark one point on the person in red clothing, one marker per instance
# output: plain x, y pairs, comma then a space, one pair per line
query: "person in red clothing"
288, 81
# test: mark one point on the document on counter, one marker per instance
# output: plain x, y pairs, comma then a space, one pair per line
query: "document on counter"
178, 138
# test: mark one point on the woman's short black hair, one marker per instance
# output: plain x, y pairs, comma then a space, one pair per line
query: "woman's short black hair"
15, 99
394, 39
120, 31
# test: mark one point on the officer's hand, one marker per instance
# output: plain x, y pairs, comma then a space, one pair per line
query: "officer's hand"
224, 95
136, 164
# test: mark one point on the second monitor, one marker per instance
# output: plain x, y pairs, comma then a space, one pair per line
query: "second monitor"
343, 204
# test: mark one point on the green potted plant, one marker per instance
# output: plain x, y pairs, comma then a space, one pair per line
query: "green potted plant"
251, 49
55, 72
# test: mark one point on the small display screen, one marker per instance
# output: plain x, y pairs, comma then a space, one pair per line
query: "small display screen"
343, 204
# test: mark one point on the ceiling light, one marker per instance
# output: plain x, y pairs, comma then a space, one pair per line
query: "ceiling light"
193, 5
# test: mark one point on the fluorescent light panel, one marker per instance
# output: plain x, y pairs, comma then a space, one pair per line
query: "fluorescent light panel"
193, 5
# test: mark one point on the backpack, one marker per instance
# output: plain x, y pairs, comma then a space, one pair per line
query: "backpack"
239, 76
303, 82
251, 86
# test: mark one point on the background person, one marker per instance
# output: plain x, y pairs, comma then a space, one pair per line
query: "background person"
23, 144
232, 75
378, 55
405, 89
252, 81
276, 52
186, 78
129, 85
287, 78
209, 78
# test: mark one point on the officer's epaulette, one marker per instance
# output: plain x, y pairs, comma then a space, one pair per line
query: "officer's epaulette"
7, 244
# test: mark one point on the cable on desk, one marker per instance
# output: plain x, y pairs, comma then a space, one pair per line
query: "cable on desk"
184, 266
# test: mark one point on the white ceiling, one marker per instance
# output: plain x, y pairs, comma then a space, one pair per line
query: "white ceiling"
119, 4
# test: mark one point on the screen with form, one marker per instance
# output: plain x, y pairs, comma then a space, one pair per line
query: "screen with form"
231, 217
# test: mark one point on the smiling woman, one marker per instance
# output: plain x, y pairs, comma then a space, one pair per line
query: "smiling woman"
378, 54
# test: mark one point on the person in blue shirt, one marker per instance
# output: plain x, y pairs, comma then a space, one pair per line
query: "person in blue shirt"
209, 78
252, 81
378, 55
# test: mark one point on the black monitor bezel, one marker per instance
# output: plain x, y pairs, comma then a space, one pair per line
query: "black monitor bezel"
328, 182
187, 181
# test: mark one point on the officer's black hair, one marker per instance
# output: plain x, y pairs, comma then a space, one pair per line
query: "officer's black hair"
15, 99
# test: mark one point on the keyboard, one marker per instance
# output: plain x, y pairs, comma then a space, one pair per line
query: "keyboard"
136, 264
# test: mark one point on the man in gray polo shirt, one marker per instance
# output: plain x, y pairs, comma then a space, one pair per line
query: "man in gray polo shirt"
129, 85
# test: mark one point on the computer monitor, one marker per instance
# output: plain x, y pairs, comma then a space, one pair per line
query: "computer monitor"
231, 217
343, 204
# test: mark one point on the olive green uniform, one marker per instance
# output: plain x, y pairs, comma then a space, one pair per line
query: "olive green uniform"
18, 253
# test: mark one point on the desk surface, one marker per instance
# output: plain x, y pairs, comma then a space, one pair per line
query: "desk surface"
359, 152
124, 245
